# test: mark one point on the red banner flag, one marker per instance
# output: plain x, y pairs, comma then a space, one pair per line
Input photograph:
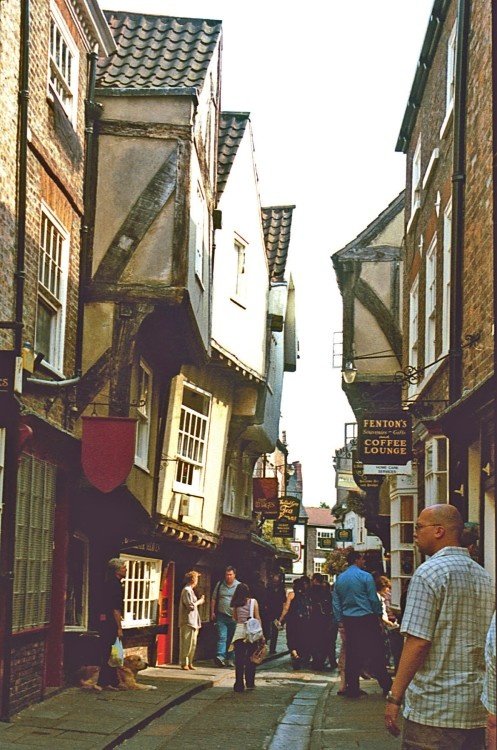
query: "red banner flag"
107, 450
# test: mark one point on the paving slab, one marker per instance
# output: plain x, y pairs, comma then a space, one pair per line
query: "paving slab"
89, 720
345, 724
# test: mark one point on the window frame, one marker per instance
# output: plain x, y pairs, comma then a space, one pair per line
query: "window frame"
413, 331
230, 477
200, 224
85, 584
54, 359
198, 470
416, 179
324, 534
32, 594
447, 260
246, 477
430, 306
451, 69
144, 417
317, 567
71, 87
132, 583
433, 475
240, 262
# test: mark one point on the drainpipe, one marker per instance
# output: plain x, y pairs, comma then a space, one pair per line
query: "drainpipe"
8, 532
20, 273
87, 221
458, 191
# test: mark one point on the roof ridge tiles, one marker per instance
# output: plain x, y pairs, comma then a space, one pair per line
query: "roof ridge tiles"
157, 51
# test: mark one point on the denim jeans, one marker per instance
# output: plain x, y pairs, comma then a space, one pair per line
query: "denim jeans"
225, 626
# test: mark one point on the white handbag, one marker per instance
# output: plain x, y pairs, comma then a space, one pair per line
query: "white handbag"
253, 626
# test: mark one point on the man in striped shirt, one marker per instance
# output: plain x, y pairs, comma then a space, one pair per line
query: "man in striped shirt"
449, 606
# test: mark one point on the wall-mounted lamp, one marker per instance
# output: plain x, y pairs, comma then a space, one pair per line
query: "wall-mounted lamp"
349, 372
487, 469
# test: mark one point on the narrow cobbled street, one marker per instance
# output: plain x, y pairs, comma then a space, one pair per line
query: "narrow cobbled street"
297, 710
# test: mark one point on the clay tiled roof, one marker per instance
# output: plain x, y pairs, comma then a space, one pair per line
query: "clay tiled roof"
320, 517
277, 224
232, 126
158, 52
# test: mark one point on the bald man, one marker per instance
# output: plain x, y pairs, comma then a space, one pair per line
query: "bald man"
449, 606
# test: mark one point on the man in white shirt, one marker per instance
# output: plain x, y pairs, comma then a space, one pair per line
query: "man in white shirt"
222, 615
449, 606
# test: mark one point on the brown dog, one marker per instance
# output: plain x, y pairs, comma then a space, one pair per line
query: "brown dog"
126, 675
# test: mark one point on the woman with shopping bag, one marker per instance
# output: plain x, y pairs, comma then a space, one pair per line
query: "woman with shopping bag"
247, 639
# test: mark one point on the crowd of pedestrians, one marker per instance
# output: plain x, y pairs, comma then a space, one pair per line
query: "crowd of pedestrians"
441, 653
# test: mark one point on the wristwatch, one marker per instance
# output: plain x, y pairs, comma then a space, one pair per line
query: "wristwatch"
390, 698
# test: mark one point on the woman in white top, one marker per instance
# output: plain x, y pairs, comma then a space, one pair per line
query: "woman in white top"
243, 608
189, 620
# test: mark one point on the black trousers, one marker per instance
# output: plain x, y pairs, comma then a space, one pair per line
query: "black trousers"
244, 668
364, 643
108, 633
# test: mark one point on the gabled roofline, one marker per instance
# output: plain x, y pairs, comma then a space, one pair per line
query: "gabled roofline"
99, 25
430, 43
373, 228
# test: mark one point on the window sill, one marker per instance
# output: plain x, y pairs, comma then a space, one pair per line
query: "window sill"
139, 465
75, 629
414, 214
447, 121
52, 370
184, 489
53, 100
238, 302
428, 374
430, 168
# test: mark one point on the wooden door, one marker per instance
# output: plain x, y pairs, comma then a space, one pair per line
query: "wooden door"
166, 616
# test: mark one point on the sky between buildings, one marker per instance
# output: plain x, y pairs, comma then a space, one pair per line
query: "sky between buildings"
326, 84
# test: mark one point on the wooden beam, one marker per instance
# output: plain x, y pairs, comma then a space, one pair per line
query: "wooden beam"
140, 218
368, 297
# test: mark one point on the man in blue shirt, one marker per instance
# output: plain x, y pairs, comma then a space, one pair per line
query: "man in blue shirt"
357, 605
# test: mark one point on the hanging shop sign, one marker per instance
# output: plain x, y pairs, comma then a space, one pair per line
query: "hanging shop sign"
384, 439
296, 548
289, 508
385, 470
326, 542
283, 529
365, 481
343, 535
265, 497
10, 372
107, 450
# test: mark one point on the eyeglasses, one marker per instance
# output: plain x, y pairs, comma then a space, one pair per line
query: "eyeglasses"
420, 526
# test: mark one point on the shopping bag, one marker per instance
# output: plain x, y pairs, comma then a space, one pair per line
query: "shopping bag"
258, 655
116, 657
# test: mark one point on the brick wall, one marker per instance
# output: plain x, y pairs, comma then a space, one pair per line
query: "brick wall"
478, 236
478, 254
434, 198
28, 661
55, 174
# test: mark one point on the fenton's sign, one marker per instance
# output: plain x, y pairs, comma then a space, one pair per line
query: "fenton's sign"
385, 439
